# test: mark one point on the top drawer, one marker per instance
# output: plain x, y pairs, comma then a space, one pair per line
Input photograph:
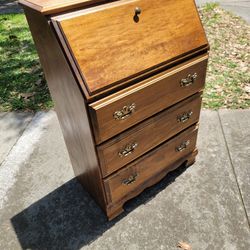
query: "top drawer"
117, 112
114, 42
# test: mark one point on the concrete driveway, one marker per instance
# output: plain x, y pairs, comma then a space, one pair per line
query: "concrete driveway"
207, 205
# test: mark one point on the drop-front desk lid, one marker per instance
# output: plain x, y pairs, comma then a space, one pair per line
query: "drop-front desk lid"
111, 43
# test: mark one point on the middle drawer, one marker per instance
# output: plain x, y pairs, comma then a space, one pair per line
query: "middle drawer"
126, 147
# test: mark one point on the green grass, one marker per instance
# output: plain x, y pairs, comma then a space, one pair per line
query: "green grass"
210, 7
22, 85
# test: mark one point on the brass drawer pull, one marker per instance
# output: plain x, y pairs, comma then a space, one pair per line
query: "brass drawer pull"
137, 13
128, 149
184, 117
183, 146
189, 80
125, 112
130, 180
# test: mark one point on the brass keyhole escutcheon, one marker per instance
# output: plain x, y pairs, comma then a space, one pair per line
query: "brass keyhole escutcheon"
137, 13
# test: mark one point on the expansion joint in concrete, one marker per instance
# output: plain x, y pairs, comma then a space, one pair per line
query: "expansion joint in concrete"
233, 170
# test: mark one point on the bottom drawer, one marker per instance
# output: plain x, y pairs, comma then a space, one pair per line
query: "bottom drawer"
135, 174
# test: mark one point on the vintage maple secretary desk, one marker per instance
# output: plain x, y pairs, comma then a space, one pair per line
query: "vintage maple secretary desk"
126, 78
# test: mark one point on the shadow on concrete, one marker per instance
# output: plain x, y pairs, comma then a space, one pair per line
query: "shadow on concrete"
14, 122
68, 218
10, 7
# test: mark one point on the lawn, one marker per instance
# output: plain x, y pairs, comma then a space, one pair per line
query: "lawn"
22, 84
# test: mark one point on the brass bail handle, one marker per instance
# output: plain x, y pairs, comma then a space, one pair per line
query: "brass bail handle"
184, 117
183, 146
189, 80
128, 149
125, 112
130, 180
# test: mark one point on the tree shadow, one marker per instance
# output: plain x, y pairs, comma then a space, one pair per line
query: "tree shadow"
10, 7
16, 124
68, 218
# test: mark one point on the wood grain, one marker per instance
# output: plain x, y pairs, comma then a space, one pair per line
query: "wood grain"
126, 83
116, 208
150, 96
109, 46
148, 134
70, 106
148, 166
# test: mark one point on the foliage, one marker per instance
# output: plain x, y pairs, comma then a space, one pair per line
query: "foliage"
22, 85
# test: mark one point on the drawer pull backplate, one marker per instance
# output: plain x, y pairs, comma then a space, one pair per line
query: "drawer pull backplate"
128, 149
130, 180
183, 146
184, 117
125, 112
189, 80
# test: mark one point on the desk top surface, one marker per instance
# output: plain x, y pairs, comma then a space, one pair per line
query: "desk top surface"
47, 7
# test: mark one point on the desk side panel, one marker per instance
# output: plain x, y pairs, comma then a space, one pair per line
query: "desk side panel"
70, 105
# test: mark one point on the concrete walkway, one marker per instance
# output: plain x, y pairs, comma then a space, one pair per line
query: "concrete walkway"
207, 205
12, 126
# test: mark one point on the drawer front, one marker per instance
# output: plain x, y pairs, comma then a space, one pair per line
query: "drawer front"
126, 147
116, 41
125, 108
132, 177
